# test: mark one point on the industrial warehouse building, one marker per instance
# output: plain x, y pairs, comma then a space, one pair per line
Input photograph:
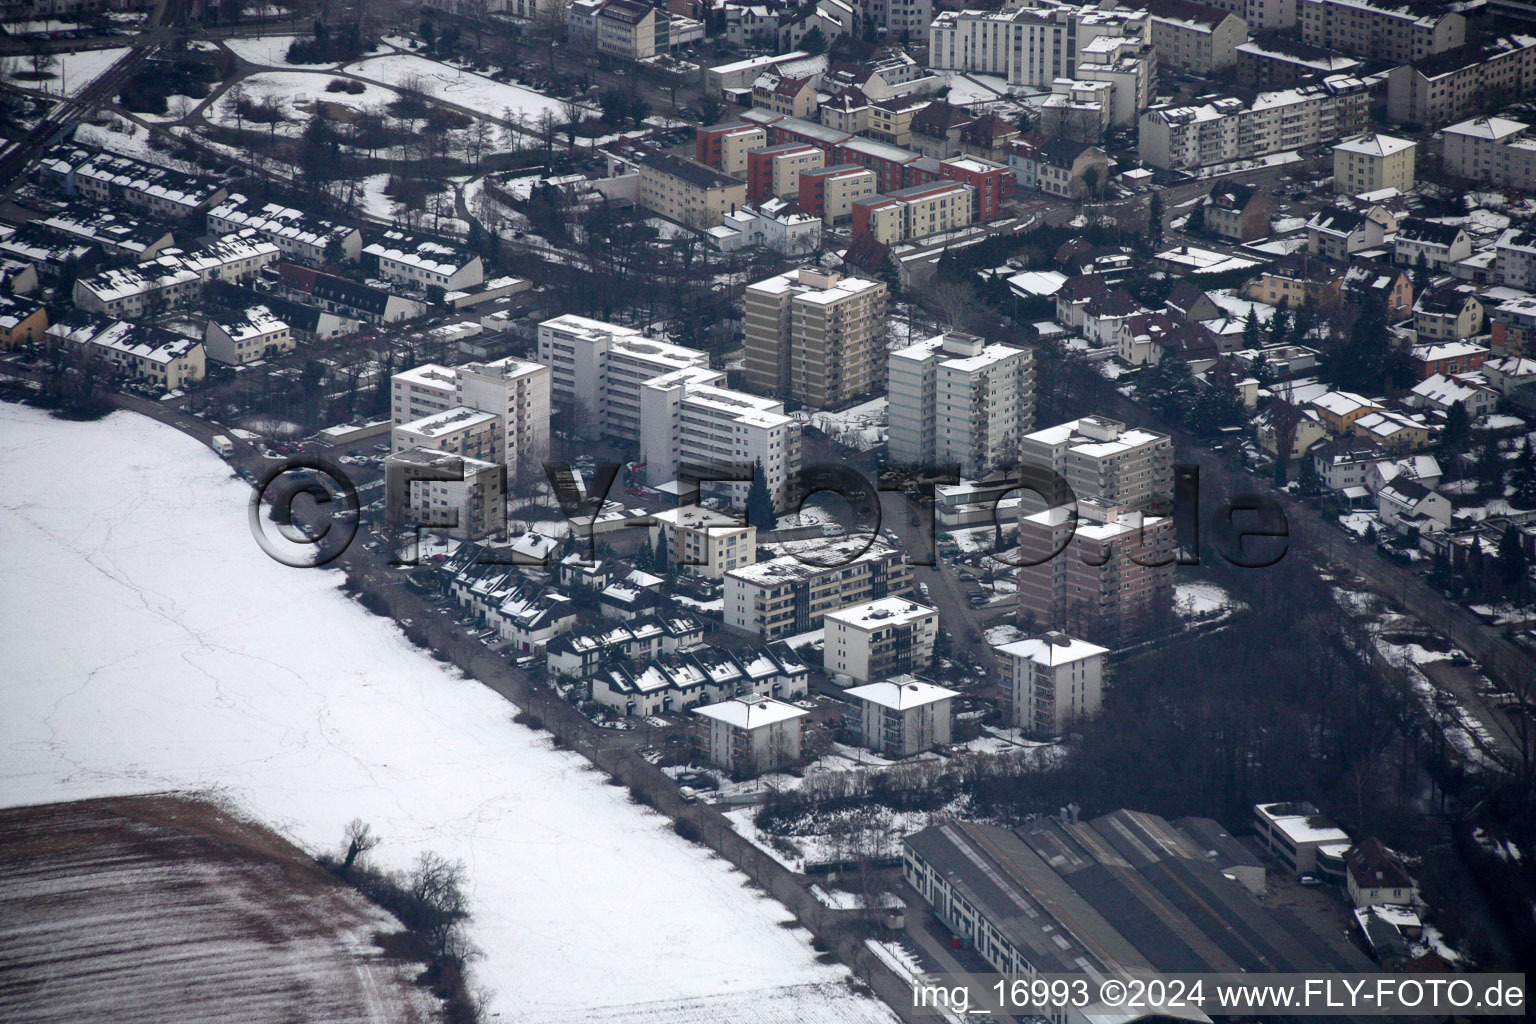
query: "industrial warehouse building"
1125, 894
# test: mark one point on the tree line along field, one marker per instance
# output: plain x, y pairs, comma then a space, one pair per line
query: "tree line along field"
164, 908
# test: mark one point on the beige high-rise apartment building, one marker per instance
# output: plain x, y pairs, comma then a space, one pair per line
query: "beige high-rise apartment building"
815, 336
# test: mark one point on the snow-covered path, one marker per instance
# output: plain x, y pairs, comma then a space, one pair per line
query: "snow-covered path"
147, 644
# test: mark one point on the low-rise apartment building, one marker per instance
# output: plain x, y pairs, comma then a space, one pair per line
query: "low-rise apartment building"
879, 639
1373, 162
786, 596
902, 716
830, 192
725, 146
1491, 151
688, 193
1395, 30
1229, 129
751, 734
915, 212
703, 541
1194, 38
775, 170
472, 507
1461, 82
1054, 681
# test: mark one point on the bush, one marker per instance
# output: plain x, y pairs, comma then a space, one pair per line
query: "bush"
532, 721
688, 830
640, 796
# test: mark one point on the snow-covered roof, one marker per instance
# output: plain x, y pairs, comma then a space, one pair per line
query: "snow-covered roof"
877, 614
1052, 649
752, 711
901, 693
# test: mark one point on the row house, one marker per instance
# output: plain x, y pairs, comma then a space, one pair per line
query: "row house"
700, 675
298, 234
582, 653
522, 610
166, 360
421, 263
113, 179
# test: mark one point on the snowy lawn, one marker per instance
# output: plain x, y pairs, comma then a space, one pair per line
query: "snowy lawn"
148, 645
463, 88
73, 72
267, 51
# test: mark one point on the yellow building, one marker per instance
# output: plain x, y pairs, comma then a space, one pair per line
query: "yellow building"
1373, 162
688, 192
21, 320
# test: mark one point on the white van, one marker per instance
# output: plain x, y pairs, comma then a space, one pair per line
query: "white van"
223, 445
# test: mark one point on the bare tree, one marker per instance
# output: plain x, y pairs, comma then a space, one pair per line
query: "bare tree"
356, 841
953, 300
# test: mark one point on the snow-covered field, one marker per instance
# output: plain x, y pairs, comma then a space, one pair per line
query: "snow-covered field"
267, 51
464, 88
73, 72
148, 645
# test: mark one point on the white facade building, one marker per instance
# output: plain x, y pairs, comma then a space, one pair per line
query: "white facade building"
880, 639
751, 734
597, 370
1054, 681
1031, 45
902, 716
956, 399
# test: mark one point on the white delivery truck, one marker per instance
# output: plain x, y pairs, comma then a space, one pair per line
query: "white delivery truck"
223, 445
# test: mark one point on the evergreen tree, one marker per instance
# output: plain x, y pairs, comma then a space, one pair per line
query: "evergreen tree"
1512, 572
1488, 469
1523, 478
1279, 326
759, 503
1155, 222
1251, 329
1458, 429
661, 561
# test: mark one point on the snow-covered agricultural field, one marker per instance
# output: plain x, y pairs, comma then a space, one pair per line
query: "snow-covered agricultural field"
452, 85
148, 645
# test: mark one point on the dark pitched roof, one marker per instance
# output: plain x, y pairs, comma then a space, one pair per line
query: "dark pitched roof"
1084, 286
1335, 219
695, 174
1442, 301
1232, 197
1430, 232
1060, 152
1115, 303
1375, 867
868, 254
1185, 297
1185, 10
938, 117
